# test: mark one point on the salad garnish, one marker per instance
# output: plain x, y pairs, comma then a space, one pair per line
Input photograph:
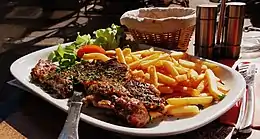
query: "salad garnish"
104, 39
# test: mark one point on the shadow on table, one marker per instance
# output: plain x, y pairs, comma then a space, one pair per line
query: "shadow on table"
52, 28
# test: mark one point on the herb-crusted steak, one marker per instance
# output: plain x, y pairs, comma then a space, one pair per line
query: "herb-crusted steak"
105, 84
146, 93
45, 74
115, 96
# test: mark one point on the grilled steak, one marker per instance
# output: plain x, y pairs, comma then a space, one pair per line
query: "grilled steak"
146, 93
115, 96
58, 84
98, 71
48, 76
105, 84
132, 110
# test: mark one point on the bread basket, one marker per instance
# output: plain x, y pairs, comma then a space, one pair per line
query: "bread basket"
169, 28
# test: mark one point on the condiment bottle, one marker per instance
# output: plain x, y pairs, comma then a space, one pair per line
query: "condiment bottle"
206, 15
233, 29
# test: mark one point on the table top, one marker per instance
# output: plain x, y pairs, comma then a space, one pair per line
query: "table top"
24, 115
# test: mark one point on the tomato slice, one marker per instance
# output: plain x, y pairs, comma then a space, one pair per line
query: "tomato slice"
89, 49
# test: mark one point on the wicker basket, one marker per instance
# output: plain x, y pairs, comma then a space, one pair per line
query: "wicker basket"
169, 28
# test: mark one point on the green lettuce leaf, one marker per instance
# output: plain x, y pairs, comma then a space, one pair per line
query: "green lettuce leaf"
65, 56
81, 40
108, 38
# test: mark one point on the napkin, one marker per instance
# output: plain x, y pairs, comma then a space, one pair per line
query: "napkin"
19, 85
230, 117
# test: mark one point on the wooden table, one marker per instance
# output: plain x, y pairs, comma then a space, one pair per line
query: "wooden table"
24, 115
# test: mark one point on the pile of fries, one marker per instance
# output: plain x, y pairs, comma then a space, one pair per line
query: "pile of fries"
184, 81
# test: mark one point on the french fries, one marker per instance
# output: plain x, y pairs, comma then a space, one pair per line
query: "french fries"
146, 64
182, 111
190, 101
204, 94
178, 55
96, 56
153, 75
201, 86
138, 73
128, 59
165, 89
139, 52
110, 52
131, 58
134, 57
182, 70
166, 79
187, 64
181, 78
137, 63
175, 62
188, 90
151, 57
169, 66
120, 56
159, 64
126, 51
184, 81
213, 89
192, 74
147, 77
142, 51
148, 53
210, 65
200, 77
205, 63
222, 88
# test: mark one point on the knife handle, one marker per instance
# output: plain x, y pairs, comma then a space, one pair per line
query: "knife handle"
70, 128
242, 111
249, 113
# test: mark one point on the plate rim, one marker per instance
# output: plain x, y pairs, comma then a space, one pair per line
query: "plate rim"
128, 130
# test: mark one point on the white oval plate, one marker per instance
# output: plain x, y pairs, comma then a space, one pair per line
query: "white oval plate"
21, 69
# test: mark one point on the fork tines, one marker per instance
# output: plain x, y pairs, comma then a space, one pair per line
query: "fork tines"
247, 70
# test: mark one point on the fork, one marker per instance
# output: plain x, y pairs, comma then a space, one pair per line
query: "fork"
245, 117
70, 128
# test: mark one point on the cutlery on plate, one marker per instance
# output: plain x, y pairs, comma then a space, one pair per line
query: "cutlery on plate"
70, 128
246, 112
